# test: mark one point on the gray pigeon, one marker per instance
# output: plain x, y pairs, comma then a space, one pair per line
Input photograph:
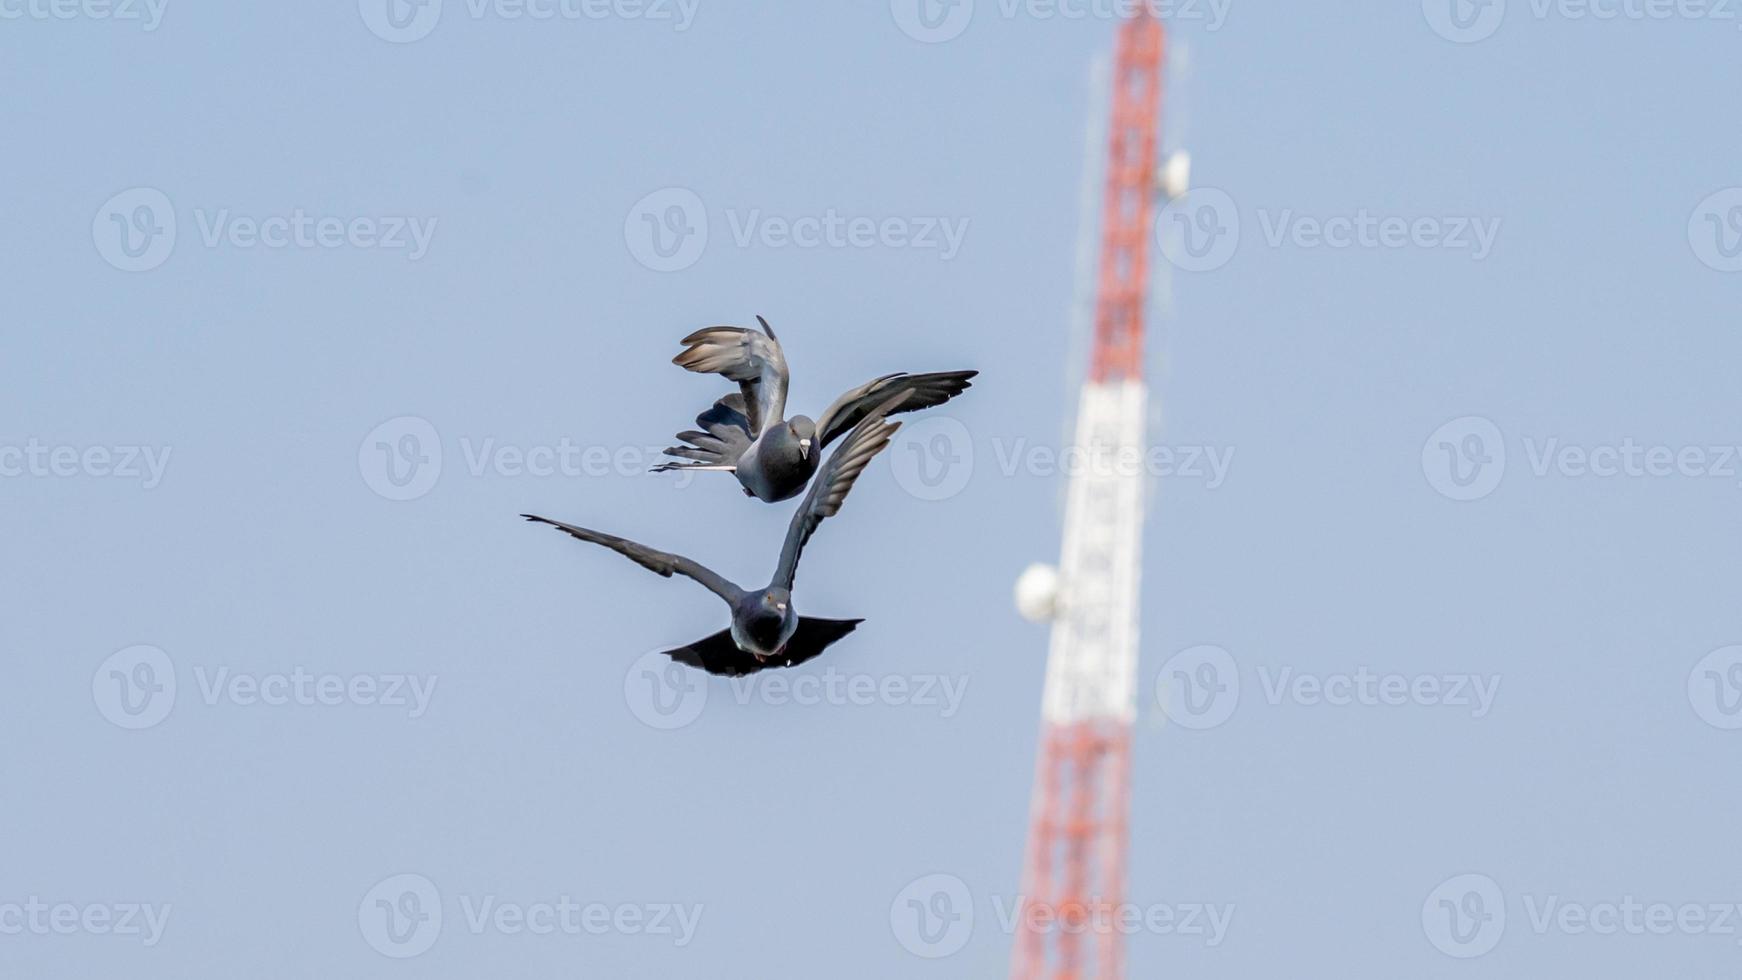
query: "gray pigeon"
765, 632
748, 435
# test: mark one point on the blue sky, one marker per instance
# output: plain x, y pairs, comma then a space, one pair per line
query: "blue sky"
1439, 661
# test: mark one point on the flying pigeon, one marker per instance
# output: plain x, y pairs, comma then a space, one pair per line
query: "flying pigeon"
747, 433
765, 631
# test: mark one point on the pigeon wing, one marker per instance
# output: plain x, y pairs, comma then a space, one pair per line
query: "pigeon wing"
657, 562
923, 391
830, 487
752, 359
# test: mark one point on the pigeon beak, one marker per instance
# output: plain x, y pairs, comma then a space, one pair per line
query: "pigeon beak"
804, 448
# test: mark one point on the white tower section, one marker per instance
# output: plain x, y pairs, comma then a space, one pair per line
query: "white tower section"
1092, 669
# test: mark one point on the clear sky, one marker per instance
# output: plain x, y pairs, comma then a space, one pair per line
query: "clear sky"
305, 302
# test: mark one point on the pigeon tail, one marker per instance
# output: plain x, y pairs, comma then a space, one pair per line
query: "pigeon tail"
724, 436
717, 654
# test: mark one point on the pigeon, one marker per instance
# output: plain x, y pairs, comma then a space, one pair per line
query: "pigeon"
747, 433
765, 631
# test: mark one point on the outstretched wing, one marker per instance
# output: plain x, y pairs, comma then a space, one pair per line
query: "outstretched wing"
830, 487
654, 561
923, 391
752, 359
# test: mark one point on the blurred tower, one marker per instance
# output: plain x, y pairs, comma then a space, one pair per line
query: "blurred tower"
1074, 873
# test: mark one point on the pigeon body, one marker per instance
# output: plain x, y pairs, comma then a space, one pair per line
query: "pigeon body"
747, 433
765, 631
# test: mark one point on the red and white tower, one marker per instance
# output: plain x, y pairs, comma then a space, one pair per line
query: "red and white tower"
1074, 875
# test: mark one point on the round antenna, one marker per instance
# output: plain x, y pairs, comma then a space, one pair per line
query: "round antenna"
1037, 593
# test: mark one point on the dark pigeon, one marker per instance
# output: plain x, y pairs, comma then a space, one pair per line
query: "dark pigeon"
765, 631
747, 433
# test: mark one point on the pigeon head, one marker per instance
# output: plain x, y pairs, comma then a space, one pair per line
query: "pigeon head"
804, 432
